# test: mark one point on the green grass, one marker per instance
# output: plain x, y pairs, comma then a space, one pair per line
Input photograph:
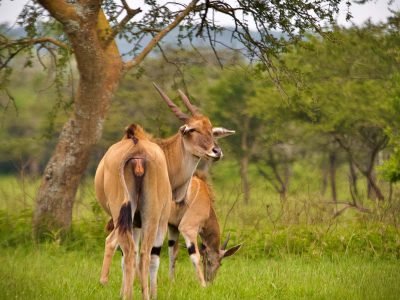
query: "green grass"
292, 250
51, 272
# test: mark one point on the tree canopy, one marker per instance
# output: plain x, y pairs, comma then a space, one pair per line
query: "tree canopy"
86, 33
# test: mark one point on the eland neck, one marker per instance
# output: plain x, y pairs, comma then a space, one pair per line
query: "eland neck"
181, 164
210, 233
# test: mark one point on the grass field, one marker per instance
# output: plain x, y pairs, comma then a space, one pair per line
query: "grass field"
292, 250
50, 272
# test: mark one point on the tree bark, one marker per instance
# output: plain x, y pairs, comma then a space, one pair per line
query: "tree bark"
372, 187
332, 175
353, 177
374, 192
285, 182
100, 69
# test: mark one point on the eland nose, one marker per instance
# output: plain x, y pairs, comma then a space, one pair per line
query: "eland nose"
217, 151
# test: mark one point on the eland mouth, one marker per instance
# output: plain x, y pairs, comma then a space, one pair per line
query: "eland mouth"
215, 154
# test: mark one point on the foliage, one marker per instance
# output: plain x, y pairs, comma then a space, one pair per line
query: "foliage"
344, 102
297, 226
391, 168
336, 101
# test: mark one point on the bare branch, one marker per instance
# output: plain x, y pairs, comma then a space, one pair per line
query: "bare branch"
269, 178
157, 38
230, 210
212, 46
21, 44
11, 100
130, 13
349, 205
10, 57
203, 18
178, 68
29, 42
39, 58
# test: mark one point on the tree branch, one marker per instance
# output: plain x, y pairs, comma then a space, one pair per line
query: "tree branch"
157, 38
176, 65
269, 178
21, 44
41, 40
203, 18
10, 57
212, 46
60, 10
349, 205
130, 13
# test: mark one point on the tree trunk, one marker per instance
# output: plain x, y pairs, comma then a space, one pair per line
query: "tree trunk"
374, 192
100, 69
353, 178
283, 193
332, 175
286, 180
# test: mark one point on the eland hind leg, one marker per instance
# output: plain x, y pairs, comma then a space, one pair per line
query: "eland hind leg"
155, 251
127, 245
173, 247
150, 213
125, 241
190, 236
110, 247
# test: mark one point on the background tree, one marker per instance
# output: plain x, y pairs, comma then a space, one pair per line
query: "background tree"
87, 30
275, 149
231, 106
356, 65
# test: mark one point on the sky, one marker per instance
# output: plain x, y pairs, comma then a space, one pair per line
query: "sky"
376, 10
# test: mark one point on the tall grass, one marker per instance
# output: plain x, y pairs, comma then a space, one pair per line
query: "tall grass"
302, 224
51, 272
292, 249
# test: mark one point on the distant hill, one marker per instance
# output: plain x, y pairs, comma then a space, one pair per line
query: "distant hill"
224, 38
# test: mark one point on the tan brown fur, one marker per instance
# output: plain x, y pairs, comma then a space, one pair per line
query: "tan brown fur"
116, 186
203, 176
169, 166
180, 154
138, 132
197, 216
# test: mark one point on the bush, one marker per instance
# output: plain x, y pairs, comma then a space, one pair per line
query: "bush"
370, 240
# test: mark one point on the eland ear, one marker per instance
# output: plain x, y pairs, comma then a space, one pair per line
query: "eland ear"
184, 129
220, 132
231, 251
